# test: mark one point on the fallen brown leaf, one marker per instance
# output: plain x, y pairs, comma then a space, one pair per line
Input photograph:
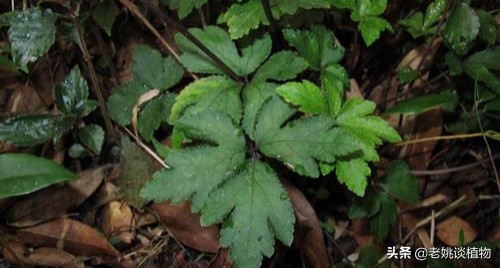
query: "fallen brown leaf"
185, 226
448, 231
16, 253
308, 235
69, 235
117, 219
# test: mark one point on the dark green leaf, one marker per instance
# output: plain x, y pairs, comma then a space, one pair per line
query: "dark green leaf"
386, 217
76, 151
366, 206
254, 96
400, 182
92, 136
183, 7
433, 13
447, 100
23, 173
7, 17
414, 24
484, 66
488, 28
316, 46
454, 63
306, 95
31, 34
154, 113
280, 66
123, 100
71, 95
104, 14
461, 28
154, 71
258, 208
29, 130
301, 142
406, 75
369, 258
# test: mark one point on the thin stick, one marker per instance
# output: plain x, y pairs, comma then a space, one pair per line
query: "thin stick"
137, 13
104, 50
93, 76
449, 137
168, 21
453, 169
146, 148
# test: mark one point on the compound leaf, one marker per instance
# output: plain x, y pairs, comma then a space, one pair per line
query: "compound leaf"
371, 27
196, 171
24, 173
243, 17
32, 32
258, 208
154, 113
254, 96
217, 93
400, 182
300, 142
353, 173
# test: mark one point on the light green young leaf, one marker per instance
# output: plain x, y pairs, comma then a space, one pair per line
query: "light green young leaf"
23, 173
30, 130
219, 42
446, 100
154, 113
371, 27
316, 46
484, 65
196, 171
154, 71
32, 32
488, 28
301, 142
241, 18
306, 95
461, 28
281, 66
217, 93
334, 80
72, 94
92, 136
414, 24
353, 173
399, 182
386, 217
258, 209
184, 7
104, 14
254, 95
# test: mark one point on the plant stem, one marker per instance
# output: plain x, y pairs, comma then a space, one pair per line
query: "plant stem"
449, 137
454, 169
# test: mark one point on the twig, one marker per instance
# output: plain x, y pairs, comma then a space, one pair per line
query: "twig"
168, 21
275, 29
453, 169
93, 76
146, 148
104, 50
449, 137
137, 13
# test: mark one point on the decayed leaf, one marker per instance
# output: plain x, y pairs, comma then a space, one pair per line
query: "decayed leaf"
185, 226
69, 235
449, 230
117, 220
309, 235
54, 201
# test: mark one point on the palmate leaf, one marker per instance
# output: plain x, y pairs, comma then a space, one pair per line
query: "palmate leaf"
32, 32
222, 184
300, 142
219, 43
258, 206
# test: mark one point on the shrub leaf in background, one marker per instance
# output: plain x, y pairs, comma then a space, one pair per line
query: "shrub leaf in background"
23, 173
461, 28
446, 100
72, 94
32, 32
419, 24
105, 13
30, 130
92, 136
183, 7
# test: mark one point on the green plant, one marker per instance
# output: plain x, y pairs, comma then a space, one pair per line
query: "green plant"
238, 127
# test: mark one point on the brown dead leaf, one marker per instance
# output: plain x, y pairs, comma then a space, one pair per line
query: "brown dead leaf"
221, 260
308, 235
185, 226
361, 232
54, 201
448, 231
118, 220
16, 253
69, 235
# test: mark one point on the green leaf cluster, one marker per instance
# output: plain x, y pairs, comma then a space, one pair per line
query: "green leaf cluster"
379, 205
150, 71
420, 24
230, 128
367, 14
71, 97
